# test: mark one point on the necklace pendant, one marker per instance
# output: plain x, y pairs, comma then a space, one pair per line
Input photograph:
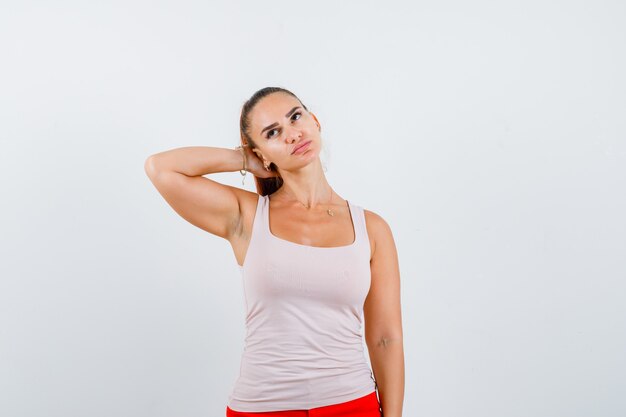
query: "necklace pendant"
330, 212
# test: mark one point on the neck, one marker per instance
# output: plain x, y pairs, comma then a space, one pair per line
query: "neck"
308, 185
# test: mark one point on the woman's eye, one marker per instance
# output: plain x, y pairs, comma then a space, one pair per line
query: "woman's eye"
270, 131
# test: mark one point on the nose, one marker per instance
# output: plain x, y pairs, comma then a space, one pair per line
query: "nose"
293, 134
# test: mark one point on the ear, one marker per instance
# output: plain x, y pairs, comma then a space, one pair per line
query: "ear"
260, 155
316, 121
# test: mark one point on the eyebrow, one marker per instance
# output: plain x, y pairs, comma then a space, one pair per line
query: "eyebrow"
289, 113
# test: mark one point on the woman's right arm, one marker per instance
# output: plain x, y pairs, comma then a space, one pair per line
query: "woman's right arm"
178, 176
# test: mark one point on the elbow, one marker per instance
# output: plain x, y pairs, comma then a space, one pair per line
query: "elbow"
384, 340
149, 166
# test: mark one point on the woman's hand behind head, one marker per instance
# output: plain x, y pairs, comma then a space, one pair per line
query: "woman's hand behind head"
254, 165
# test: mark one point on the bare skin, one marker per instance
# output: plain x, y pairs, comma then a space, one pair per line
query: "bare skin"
311, 228
229, 212
303, 176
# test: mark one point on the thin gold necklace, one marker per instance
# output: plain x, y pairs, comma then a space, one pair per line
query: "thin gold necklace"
329, 211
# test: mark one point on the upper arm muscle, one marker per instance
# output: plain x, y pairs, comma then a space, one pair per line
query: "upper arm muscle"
207, 204
382, 309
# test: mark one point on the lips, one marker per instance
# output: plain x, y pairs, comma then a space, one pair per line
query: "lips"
300, 146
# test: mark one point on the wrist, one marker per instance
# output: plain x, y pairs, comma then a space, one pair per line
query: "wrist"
243, 168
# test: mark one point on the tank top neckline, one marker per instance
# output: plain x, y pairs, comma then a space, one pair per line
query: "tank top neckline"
288, 242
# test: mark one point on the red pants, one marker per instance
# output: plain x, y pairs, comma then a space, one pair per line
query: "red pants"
367, 406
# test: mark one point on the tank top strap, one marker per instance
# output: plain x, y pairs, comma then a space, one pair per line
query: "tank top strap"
262, 216
265, 216
360, 228
258, 236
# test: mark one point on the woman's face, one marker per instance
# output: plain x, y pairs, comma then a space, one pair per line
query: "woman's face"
278, 124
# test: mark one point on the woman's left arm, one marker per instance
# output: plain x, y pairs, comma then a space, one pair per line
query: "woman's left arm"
383, 317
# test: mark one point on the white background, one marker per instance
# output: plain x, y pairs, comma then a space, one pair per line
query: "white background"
490, 135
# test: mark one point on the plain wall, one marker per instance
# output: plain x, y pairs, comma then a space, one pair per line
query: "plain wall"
491, 136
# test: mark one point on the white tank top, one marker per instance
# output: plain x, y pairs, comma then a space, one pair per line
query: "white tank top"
304, 319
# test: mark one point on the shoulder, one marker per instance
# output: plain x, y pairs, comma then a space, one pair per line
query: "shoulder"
378, 229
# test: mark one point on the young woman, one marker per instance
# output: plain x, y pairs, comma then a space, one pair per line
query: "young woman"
316, 268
